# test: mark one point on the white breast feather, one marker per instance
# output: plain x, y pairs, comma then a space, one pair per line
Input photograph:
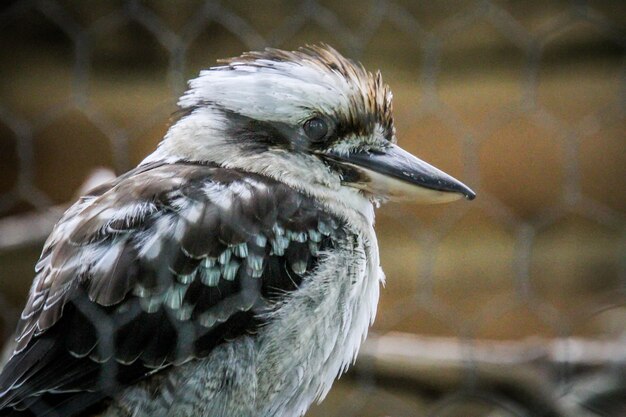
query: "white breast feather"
317, 331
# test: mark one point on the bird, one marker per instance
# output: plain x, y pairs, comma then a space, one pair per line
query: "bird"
235, 271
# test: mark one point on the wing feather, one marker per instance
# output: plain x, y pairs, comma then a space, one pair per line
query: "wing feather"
155, 270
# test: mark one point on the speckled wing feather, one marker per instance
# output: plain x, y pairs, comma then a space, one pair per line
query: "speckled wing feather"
156, 269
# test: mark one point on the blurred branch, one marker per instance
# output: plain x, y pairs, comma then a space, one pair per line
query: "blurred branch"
29, 228
531, 373
424, 351
34, 227
442, 361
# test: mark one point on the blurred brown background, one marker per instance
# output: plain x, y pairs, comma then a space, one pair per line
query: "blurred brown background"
524, 101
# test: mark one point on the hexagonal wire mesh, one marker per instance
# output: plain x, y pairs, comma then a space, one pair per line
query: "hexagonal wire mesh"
512, 305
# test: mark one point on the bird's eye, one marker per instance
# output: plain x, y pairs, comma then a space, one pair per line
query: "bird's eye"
316, 129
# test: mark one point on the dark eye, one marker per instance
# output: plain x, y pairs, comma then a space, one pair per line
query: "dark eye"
316, 129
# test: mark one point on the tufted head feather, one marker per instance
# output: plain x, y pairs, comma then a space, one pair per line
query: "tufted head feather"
290, 86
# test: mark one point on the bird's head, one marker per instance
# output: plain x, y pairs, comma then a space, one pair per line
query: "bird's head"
310, 118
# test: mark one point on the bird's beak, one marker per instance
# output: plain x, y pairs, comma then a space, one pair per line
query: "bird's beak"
396, 174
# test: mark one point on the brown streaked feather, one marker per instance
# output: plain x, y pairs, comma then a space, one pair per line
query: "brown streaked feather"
372, 105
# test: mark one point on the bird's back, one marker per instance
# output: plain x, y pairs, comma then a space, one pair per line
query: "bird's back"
155, 270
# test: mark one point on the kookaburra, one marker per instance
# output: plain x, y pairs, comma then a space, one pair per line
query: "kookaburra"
235, 271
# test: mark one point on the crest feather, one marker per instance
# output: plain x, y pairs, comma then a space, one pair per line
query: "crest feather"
323, 68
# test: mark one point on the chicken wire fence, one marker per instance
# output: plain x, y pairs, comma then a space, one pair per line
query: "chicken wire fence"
454, 367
